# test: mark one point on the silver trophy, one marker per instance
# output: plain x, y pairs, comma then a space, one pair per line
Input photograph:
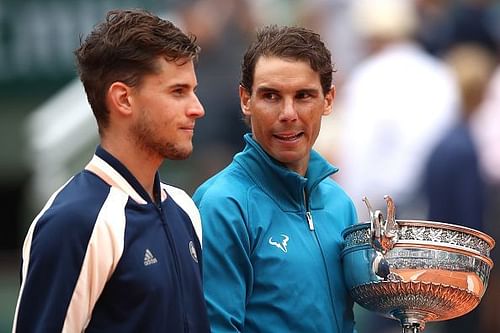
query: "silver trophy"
415, 271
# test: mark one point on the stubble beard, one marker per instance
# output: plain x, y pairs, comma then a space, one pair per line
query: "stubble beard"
148, 139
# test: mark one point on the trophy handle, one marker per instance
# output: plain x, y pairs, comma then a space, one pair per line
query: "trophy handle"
383, 233
391, 227
383, 237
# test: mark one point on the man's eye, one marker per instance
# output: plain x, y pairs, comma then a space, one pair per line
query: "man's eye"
271, 96
303, 95
178, 92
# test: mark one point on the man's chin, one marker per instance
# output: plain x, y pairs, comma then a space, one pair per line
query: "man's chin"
178, 154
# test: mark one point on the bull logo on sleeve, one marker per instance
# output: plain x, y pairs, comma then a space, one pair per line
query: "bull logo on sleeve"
280, 245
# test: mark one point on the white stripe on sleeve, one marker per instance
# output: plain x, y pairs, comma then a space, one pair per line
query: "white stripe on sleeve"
103, 253
188, 205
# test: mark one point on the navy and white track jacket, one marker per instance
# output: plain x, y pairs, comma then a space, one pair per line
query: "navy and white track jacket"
102, 257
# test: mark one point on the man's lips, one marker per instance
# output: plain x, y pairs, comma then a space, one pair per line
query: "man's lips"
288, 136
187, 128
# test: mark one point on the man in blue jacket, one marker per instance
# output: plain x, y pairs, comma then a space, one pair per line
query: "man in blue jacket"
115, 249
272, 219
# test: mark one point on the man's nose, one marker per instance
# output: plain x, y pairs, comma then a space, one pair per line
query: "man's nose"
196, 109
288, 111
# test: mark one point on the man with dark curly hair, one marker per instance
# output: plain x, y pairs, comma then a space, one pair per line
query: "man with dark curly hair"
272, 219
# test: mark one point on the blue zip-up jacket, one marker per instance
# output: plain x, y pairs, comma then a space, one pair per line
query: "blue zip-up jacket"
101, 256
271, 246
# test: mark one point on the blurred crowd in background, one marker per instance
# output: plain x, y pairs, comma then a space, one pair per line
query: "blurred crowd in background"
416, 116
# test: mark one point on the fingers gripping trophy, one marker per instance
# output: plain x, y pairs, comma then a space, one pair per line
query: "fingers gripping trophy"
415, 271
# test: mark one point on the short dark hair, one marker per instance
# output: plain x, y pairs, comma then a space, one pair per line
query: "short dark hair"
288, 42
124, 48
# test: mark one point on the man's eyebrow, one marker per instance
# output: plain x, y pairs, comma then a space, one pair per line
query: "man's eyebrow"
179, 85
265, 89
310, 91
184, 86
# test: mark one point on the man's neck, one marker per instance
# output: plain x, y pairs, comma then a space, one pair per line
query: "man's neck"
142, 165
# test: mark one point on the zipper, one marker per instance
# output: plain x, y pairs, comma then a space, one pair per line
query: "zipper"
311, 228
310, 220
309, 217
176, 263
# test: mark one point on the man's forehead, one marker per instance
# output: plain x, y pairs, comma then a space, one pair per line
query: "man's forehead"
283, 67
282, 74
265, 59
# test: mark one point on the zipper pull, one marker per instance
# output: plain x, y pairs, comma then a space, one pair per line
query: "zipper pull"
310, 221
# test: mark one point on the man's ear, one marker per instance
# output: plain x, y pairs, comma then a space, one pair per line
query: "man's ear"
245, 101
119, 98
329, 98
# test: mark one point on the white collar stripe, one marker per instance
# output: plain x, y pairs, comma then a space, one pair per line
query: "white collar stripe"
105, 171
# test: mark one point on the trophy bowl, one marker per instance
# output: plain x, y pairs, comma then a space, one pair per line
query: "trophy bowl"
415, 271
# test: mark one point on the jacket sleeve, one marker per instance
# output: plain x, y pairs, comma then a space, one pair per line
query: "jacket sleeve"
227, 270
67, 261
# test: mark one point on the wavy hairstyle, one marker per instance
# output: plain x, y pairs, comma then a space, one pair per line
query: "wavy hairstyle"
295, 43
124, 48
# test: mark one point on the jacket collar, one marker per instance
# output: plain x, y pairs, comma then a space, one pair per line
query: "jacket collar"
285, 186
113, 172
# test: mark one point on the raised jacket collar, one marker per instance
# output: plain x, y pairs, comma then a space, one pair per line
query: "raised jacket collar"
285, 186
113, 172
